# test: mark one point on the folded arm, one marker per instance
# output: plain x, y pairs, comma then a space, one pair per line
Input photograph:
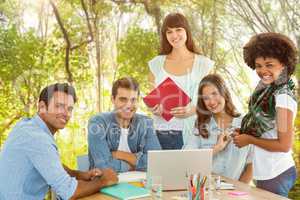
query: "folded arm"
99, 152
130, 158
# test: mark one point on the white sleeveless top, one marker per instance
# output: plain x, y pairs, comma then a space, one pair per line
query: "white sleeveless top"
188, 83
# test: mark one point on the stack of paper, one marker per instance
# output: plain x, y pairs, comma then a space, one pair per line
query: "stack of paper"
132, 176
226, 186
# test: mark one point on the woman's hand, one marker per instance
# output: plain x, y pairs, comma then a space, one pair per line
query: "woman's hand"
223, 140
157, 110
183, 112
241, 140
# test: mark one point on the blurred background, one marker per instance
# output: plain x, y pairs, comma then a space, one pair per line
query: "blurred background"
91, 43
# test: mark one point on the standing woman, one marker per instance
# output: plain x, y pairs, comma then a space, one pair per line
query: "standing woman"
268, 124
180, 61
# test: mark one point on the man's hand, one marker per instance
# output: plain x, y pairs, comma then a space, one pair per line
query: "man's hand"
130, 158
90, 175
115, 155
86, 188
109, 177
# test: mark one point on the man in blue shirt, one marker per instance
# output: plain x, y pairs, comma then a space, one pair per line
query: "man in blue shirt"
120, 139
30, 162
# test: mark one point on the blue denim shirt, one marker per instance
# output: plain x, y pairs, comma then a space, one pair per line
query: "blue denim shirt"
30, 164
230, 162
104, 137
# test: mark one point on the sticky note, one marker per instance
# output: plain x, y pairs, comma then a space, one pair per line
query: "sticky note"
237, 193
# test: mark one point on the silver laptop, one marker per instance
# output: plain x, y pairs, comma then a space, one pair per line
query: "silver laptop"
173, 165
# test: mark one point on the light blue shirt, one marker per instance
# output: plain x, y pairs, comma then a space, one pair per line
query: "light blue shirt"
230, 162
30, 164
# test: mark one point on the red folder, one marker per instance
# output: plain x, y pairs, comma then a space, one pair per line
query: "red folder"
169, 95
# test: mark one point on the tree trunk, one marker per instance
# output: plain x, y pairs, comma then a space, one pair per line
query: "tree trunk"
297, 136
154, 10
298, 78
67, 40
214, 30
98, 65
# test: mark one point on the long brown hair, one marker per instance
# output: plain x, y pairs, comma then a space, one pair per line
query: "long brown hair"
204, 115
175, 20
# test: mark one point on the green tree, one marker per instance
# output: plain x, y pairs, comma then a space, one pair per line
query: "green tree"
135, 50
21, 76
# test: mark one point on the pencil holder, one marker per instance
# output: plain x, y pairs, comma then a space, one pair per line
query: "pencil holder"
196, 186
192, 195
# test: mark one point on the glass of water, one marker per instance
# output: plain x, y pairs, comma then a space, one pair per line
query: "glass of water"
154, 185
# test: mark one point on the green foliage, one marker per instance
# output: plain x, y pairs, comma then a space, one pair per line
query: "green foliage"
18, 53
134, 52
21, 75
7, 11
298, 71
19, 65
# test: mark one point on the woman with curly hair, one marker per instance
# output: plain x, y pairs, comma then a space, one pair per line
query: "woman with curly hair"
268, 125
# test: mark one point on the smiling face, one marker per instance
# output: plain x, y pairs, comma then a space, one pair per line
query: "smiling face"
176, 36
125, 103
268, 69
58, 112
212, 99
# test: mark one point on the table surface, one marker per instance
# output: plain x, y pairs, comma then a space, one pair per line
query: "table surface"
253, 193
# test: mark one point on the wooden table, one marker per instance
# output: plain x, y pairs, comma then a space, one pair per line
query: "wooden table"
253, 194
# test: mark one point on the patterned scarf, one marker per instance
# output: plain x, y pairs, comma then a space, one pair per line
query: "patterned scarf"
261, 115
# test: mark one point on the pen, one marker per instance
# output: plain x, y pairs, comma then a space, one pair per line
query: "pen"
191, 180
190, 197
218, 183
198, 187
203, 181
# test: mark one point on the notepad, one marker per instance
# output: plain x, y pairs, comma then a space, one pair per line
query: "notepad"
124, 191
237, 193
169, 95
226, 186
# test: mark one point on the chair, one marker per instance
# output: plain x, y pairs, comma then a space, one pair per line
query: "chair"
83, 163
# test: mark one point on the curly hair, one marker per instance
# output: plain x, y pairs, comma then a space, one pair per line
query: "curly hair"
271, 45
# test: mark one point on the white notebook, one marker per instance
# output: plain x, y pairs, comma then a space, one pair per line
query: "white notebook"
132, 176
